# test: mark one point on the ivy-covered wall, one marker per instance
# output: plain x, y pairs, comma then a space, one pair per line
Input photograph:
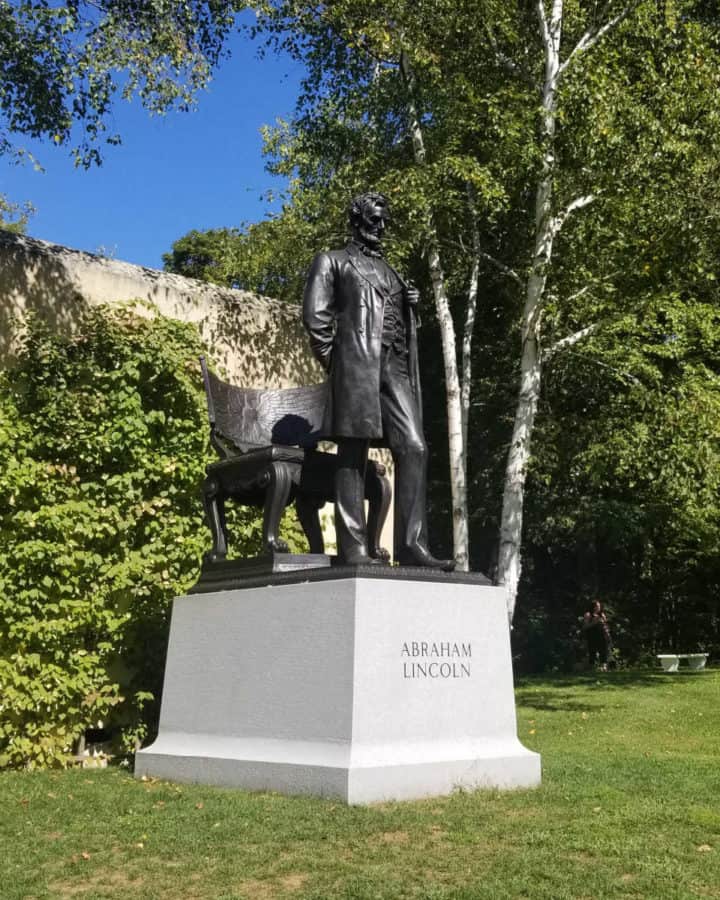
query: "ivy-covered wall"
103, 443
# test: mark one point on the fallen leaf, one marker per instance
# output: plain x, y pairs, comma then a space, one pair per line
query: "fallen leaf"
704, 848
85, 854
532, 731
199, 805
597, 808
140, 845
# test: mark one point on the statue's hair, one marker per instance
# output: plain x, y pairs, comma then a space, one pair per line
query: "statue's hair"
355, 210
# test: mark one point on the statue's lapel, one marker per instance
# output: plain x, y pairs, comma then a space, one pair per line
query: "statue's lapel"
364, 267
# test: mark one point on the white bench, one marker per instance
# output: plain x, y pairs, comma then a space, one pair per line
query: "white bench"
671, 661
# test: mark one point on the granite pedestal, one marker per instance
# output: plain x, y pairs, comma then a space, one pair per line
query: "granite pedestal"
359, 688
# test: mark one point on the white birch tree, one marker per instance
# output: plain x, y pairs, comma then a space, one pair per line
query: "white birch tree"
548, 222
457, 392
429, 69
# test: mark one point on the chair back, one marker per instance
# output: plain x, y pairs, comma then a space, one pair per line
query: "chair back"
251, 418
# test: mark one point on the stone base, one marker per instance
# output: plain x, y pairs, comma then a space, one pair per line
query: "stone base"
295, 568
226, 574
362, 689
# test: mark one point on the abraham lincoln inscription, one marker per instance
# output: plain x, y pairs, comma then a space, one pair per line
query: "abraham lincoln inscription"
436, 659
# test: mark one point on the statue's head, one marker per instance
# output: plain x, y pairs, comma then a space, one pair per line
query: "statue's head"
369, 214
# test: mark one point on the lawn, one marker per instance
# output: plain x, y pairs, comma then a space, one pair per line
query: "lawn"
629, 807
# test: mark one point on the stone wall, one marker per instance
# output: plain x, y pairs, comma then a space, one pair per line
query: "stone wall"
257, 341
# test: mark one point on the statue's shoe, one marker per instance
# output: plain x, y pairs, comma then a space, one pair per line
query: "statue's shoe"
423, 558
360, 559
381, 555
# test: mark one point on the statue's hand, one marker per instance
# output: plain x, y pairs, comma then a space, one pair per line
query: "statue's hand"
412, 294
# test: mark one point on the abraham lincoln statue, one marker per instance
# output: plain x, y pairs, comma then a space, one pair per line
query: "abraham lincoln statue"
361, 318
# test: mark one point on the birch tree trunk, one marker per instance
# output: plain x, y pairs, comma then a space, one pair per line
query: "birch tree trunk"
511, 519
470, 315
547, 227
456, 445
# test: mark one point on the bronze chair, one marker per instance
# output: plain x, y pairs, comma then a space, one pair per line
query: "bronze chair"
267, 442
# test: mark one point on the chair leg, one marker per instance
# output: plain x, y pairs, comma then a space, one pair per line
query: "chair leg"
277, 479
308, 514
379, 494
214, 503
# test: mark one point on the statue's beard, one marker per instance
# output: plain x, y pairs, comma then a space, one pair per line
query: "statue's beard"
369, 238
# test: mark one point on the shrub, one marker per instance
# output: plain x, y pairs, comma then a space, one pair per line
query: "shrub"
103, 443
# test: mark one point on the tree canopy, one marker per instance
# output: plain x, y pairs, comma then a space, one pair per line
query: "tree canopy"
270, 257
625, 150
64, 63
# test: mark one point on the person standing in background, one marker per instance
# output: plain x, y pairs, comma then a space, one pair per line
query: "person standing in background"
597, 634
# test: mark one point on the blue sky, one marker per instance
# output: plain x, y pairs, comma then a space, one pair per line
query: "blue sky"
202, 169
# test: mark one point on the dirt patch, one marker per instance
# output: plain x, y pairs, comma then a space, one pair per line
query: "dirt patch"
90, 885
704, 890
394, 837
521, 814
253, 889
257, 890
294, 882
118, 883
581, 856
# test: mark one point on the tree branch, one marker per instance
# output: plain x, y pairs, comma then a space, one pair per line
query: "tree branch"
570, 340
507, 63
488, 257
619, 372
506, 270
577, 203
597, 32
579, 293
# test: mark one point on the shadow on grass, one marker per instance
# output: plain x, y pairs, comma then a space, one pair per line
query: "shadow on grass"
530, 691
552, 702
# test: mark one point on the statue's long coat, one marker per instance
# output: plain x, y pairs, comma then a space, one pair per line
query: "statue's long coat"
343, 312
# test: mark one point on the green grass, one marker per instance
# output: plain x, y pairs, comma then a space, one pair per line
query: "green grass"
629, 807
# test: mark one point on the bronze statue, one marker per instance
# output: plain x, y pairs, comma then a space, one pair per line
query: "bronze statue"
361, 318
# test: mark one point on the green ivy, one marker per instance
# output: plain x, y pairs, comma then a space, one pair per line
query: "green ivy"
103, 444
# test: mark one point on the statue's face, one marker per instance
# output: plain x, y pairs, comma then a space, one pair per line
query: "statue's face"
371, 227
